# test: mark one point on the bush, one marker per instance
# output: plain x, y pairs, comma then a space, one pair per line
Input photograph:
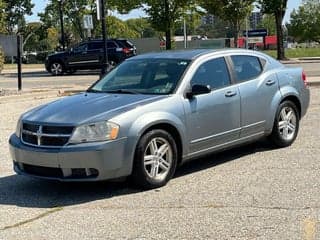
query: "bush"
1, 59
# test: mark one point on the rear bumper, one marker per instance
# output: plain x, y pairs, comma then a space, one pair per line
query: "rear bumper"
84, 162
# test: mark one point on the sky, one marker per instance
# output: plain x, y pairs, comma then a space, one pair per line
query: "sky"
40, 5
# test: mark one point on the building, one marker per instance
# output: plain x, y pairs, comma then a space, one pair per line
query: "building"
255, 19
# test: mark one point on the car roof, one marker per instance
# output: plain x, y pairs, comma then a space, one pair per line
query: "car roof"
190, 54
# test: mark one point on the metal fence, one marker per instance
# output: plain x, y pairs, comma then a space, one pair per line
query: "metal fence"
145, 45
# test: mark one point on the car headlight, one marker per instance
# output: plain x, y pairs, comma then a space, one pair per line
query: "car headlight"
95, 132
18, 128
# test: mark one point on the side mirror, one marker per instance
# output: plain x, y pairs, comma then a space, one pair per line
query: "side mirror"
198, 90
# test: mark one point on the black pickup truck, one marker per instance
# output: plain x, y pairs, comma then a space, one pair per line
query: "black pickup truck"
89, 55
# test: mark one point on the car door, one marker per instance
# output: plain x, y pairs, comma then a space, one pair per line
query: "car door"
76, 56
257, 90
213, 119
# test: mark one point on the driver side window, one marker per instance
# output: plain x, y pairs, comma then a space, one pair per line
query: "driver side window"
81, 48
213, 73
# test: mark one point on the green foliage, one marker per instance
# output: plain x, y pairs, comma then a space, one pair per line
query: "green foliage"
193, 20
268, 22
163, 14
15, 12
73, 12
278, 9
1, 59
3, 15
142, 27
305, 22
232, 11
119, 29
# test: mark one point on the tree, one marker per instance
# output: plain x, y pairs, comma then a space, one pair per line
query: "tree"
141, 26
73, 12
278, 9
267, 22
119, 29
163, 14
214, 28
233, 11
2, 16
15, 12
305, 22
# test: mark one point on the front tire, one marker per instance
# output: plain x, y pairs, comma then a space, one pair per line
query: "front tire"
286, 125
56, 69
155, 159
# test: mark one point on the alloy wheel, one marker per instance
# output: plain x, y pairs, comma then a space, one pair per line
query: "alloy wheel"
158, 158
287, 123
56, 68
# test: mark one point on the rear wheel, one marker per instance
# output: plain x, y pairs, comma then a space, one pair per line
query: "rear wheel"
56, 68
155, 159
286, 124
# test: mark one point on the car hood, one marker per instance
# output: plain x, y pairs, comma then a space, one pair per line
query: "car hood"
87, 107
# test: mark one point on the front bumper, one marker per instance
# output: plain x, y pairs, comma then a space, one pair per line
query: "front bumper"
82, 162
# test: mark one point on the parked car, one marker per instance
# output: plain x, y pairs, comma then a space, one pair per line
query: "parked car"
89, 55
155, 111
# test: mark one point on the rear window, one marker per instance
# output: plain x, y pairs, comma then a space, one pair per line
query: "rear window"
126, 43
246, 67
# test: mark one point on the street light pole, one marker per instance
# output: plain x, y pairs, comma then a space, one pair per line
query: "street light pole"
61, 23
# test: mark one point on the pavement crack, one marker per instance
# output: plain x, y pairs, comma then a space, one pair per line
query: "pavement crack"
42, 215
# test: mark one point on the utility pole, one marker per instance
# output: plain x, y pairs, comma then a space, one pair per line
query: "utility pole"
61, 23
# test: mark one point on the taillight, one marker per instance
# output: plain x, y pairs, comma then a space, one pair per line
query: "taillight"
304, 78
126, 50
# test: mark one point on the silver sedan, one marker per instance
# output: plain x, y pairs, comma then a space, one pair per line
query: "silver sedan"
156, 111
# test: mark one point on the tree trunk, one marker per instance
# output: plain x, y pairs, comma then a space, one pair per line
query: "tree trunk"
280, 46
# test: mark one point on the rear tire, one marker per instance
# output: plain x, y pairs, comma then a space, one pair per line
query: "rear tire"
155, 160
286, 125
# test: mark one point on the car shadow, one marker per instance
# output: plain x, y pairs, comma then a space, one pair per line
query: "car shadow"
33, 193
212, 160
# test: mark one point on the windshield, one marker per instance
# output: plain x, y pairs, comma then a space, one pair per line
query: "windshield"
144, 76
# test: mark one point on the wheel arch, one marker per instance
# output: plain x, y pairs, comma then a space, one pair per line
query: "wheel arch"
173, 131
294, 99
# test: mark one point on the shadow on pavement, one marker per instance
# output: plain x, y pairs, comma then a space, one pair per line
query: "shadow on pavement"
27, 192
44, 73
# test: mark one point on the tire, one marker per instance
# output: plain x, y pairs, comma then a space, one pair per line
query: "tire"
286, 125
56, 68
155, 160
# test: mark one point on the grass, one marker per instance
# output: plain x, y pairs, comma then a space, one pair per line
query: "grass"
297, 52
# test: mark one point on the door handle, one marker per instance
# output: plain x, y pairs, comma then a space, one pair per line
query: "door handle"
270, 82
230, 93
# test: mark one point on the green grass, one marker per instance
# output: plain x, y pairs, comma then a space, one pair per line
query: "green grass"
297, 52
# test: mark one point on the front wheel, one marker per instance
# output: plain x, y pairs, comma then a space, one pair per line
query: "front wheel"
155, 159
56, 68
286, 125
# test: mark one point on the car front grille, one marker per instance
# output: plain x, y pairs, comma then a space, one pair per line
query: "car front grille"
45, 135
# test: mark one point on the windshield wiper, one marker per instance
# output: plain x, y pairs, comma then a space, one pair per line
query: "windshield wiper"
125, 91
